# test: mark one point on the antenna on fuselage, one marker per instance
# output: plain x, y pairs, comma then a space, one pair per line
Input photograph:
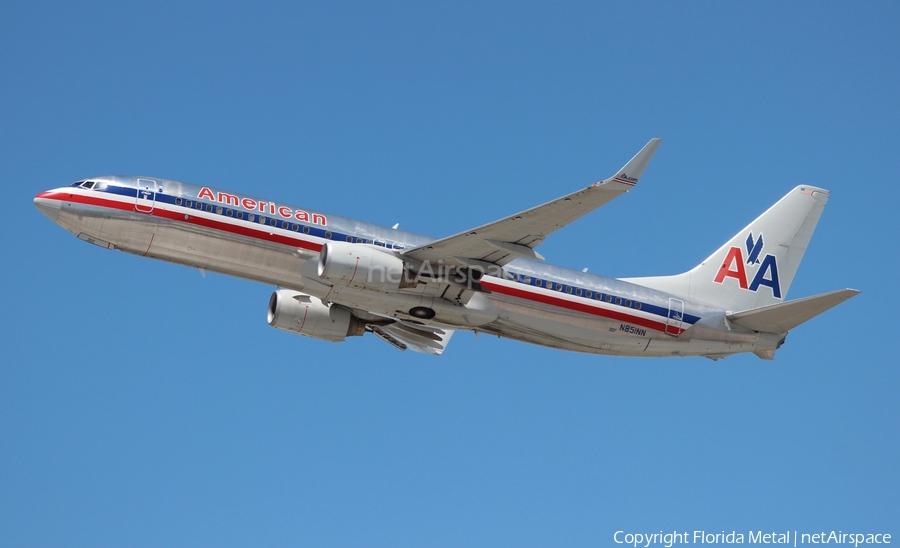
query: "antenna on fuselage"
396, 226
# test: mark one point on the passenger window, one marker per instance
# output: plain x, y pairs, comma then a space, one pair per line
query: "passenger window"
569, 289
199, 205
188, 203
238, 214
262, 220
327, 234
349, 239
209, 208
609, 298
229, 212
177, 201
618, 300
627, 303
578, 292
251, 217
219, 210
273, 222
306, 230
637, 305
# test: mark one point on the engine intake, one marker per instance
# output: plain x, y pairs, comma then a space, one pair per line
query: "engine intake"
307, 315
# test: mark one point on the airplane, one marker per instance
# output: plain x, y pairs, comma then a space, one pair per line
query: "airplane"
337, 277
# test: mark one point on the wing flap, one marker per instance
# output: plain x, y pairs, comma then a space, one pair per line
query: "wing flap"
425, 339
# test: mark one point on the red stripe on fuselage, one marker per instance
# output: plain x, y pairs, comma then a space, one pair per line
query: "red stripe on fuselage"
574, 305
313, 246
179, 216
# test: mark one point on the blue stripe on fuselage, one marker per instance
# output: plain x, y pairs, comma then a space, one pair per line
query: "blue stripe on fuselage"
313, 230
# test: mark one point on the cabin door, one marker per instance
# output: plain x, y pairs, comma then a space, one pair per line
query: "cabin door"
675, 318
145, 200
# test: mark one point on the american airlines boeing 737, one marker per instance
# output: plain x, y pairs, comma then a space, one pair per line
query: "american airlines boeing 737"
339, 277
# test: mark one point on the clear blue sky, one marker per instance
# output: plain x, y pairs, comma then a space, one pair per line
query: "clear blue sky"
142, 404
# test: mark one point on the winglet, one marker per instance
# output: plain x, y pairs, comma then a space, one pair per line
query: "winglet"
633, 170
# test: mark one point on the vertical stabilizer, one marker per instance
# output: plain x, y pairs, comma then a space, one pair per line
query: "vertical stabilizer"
756, 267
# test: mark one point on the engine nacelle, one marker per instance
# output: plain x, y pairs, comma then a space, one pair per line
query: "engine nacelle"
362, 267
306, 315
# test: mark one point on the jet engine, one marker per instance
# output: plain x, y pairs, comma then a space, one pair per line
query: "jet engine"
362, 267
306, 315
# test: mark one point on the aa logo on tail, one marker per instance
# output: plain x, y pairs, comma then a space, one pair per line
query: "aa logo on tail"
735, 266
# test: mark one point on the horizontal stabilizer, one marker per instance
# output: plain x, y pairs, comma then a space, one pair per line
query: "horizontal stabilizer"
782, 317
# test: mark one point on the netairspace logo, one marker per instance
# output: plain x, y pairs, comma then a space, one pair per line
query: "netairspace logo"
788, 538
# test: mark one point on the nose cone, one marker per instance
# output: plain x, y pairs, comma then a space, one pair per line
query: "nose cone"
47, 205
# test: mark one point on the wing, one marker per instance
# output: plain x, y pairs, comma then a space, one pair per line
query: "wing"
516, 236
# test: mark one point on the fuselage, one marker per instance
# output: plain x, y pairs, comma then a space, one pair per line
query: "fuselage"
280, 244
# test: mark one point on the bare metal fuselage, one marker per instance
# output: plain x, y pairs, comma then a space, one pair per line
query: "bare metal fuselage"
281, 245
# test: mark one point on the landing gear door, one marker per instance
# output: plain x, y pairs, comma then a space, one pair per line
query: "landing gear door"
145, 200
675, 318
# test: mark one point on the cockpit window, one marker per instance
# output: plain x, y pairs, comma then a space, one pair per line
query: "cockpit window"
89, 185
